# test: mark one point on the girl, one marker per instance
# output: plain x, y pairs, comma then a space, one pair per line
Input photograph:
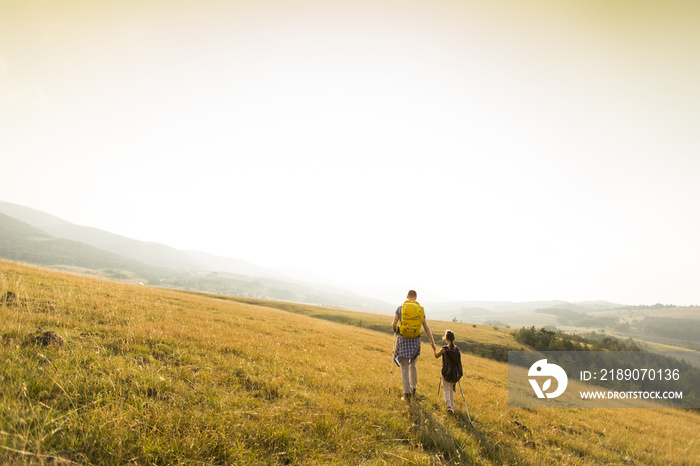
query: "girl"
451, 368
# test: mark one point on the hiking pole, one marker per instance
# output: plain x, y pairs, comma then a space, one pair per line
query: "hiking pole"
465, 402
393, 352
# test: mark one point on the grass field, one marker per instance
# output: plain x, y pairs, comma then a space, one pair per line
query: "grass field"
139, 375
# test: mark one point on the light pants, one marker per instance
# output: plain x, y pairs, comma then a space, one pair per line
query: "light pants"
409, 374
448, 389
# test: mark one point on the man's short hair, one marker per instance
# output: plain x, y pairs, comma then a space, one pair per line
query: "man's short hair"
412, 294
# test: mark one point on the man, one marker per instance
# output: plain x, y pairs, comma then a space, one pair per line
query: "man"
408, 319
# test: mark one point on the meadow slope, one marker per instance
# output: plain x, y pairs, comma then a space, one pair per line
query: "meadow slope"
96, 372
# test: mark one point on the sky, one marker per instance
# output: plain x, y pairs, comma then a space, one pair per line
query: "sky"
501, 150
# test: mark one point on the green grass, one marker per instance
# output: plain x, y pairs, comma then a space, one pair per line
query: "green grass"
151, 376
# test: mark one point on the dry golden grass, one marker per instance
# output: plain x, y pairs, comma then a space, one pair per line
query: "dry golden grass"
151, 376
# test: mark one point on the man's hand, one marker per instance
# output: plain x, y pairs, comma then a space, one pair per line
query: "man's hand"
434, 347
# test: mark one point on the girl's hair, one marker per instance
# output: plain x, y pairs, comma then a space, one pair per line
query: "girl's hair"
450, 336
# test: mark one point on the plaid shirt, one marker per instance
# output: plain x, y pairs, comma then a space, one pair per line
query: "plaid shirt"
406, 347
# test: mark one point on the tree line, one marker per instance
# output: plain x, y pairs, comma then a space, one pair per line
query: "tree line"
555, 340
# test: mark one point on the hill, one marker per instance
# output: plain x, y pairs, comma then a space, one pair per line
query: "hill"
666, 325
105, 254
482, 311
97, 372
21, 242
150, 253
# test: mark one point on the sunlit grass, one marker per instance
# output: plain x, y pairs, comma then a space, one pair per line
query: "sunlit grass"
151, 376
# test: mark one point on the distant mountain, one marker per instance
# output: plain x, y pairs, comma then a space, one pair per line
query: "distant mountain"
468, 309
30, 216
28, 235
270, 288
23, 243
149, 253
13, 231
206, 261
32, 236
588, 306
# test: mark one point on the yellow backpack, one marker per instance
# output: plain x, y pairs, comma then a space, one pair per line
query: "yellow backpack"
412, 315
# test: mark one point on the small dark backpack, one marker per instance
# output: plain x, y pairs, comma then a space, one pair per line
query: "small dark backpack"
452, 364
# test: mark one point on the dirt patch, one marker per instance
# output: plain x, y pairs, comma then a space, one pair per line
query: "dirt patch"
49, 338
10, 299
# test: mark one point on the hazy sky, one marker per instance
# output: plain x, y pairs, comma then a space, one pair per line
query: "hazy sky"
500, 150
